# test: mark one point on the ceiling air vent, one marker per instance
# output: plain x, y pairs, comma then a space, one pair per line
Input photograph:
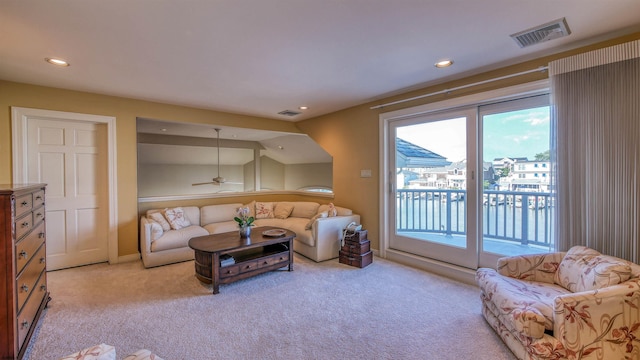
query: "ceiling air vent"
549, 31
288, 113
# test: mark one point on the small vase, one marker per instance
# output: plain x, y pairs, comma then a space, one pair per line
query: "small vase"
245, 231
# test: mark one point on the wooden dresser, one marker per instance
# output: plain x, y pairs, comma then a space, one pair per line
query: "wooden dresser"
23, 279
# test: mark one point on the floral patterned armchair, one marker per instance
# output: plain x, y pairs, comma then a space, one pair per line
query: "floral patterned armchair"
574, 305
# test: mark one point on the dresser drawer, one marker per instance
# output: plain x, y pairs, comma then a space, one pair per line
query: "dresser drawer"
24, 203
23, 225
27, 247
38, 216
26, 317
26, 281
38, 198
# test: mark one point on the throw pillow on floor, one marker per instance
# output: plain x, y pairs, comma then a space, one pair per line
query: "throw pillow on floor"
108, 352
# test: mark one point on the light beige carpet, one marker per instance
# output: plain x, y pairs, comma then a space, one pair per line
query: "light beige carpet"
319, 311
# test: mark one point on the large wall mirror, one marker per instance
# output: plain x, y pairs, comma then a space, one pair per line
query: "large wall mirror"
173, 156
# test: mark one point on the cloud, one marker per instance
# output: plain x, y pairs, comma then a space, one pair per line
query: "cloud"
537, 121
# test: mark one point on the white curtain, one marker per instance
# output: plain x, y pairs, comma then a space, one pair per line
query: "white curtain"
596, 111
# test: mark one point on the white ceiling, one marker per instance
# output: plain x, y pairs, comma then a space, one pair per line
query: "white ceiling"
259, 57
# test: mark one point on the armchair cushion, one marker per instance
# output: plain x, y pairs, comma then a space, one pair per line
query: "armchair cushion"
525, 306
584, 269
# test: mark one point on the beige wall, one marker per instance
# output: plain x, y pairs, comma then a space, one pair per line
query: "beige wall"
349, 136
125, 111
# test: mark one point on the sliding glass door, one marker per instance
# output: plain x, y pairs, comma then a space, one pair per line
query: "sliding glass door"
474, 184
517, 203
433, 187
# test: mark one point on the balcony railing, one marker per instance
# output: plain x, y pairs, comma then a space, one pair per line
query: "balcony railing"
520, 217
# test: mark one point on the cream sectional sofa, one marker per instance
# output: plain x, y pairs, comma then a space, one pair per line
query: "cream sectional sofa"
318, 228
575, 305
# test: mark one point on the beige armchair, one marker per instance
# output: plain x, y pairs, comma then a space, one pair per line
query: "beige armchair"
575, 305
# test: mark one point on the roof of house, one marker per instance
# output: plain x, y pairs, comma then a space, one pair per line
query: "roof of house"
412, 155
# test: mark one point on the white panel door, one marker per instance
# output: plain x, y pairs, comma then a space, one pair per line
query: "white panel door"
71, 158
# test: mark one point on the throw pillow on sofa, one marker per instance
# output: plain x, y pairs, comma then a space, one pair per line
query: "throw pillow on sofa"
160, 219
156, 230
305, 209
316, 217
264, 210
282, 210
252, 208
176, 218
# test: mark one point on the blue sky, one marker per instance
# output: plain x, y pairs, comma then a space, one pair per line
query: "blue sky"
522, 133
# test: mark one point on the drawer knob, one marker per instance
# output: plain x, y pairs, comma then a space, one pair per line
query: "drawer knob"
25, 324
43, 287
38, 214
41, 235
42, 260
25, 288
23, 254
38, 197
25, 224
24, 203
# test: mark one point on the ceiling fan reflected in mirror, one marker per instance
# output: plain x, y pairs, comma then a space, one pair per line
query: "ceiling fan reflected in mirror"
218, 180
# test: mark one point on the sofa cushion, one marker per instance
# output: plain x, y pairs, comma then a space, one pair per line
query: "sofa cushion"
218, 213
526, 306
295, 224
221, 227
282, 210
174, 239
156, 215
176, 218
584, 269
264, 210
97, 352
298, 226
304, 209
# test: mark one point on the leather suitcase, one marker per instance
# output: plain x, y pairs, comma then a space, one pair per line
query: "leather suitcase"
356, 260
357, 248
356, 236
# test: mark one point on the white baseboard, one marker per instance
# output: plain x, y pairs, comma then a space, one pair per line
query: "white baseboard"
437, 267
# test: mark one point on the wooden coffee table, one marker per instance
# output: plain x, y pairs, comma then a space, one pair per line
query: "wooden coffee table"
254, 255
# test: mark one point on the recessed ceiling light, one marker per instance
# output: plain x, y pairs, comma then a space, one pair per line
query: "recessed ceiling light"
163, 129
444, 63
55, 61
303, 107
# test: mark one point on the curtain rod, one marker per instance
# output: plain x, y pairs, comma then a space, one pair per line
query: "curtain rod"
539, 69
